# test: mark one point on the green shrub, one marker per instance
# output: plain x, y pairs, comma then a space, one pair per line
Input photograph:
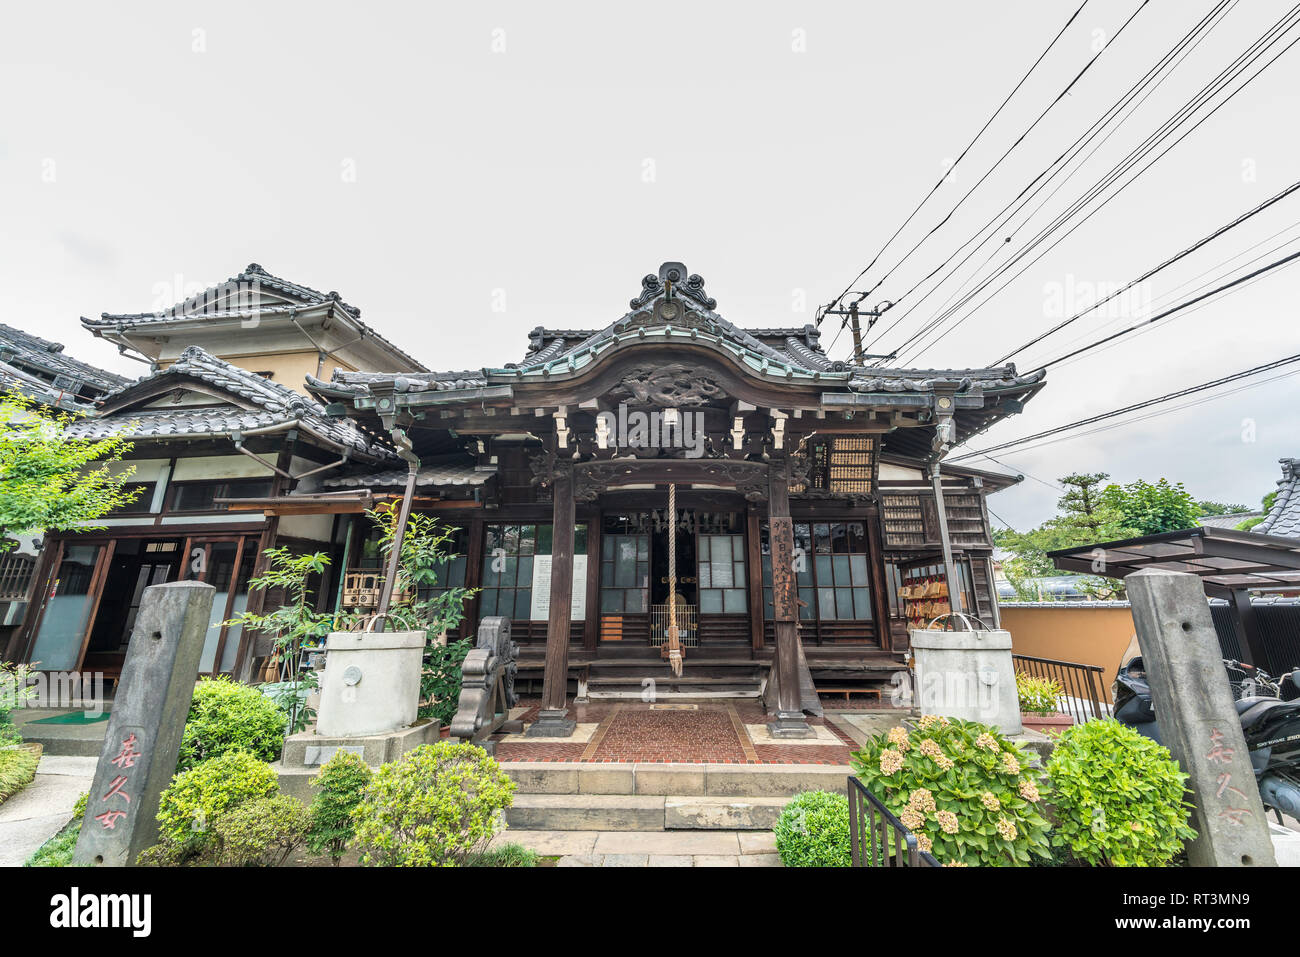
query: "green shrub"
813, 831
507, 855
227, 716
967, 793
17, 769
79, 809
1118, 797
1037, 695
441, 679
340, 784
196, 800
14, 692
433, 806
262, 832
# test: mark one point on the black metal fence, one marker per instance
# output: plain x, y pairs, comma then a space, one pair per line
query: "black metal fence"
1084, 695
1278, 621
877, 837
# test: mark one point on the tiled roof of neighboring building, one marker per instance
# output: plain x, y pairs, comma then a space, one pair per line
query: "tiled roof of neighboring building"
1284, 517
269, 403
215, 303
1227, 520
42, 370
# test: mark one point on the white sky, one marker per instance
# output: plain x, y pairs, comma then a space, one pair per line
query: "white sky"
165, 145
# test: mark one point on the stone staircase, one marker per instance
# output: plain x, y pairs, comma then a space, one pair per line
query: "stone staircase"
552, 796
704, 679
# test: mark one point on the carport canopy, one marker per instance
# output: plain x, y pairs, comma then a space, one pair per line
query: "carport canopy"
1230, 563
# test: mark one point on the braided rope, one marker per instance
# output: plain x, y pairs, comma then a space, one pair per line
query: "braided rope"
674, 644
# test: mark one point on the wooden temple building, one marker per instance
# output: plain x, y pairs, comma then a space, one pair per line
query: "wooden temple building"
814, 516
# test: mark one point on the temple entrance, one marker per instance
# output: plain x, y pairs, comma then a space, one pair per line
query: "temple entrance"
712, 577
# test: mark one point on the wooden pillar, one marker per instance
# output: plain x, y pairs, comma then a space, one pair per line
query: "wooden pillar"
395, 549
785, 608
554, 722
754, 551
591, 627
473, 576
955, 597
880, 584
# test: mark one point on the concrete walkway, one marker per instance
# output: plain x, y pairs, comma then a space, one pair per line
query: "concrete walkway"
649, 848
37, 812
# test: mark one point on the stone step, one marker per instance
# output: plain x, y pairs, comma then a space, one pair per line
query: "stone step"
716, 780
643, 812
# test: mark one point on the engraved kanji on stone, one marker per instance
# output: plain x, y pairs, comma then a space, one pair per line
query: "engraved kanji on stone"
126, 757
116, 789
1219, 753
109, 819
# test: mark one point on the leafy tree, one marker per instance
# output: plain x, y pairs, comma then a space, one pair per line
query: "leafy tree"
294, 624
1150, 509
1211, 507
1084, 516
51, 481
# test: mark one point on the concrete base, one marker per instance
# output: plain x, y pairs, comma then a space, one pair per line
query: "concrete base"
309, 749
643, 812
790, 724
552, 724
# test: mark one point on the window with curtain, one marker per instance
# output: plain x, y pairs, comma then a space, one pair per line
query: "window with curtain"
832, 571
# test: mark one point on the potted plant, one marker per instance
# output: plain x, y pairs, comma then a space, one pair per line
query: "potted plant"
1038, 704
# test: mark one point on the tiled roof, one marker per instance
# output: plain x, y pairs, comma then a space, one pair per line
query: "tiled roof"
272, 404
1284, 517
253, 276
787, 353
434, 475
1227, 520
42, 369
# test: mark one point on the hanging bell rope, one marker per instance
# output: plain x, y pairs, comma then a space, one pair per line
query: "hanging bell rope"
672, 648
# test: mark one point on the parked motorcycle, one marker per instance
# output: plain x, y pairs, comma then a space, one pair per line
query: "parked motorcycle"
1269, 713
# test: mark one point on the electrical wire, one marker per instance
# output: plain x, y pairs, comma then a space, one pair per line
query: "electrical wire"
1227, 227
1134, 407
1276, 264
1229, 74
1184, 46
945, 178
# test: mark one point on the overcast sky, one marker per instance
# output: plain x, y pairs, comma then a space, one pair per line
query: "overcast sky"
434, 164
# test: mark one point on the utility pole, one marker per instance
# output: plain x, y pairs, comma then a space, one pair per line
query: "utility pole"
853, 318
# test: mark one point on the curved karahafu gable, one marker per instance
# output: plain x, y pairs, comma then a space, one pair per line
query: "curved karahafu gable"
673, 349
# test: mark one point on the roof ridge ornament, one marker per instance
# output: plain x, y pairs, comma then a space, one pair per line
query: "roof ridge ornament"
673, 277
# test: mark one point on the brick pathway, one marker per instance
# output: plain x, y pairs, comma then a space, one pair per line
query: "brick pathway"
707, 733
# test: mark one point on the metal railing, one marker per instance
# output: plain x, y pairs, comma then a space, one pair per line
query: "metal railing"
687, 625
877, 837
1083, 693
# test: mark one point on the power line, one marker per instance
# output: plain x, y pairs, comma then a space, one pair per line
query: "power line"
1136, 406
1151, 272
1276, 264
1063, 160
945, 178
1159, 412
1226, 76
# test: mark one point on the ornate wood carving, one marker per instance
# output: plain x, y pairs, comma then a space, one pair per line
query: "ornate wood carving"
675, 385
590, 479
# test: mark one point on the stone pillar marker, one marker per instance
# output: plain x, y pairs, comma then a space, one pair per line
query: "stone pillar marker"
1198, 720
144, 729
